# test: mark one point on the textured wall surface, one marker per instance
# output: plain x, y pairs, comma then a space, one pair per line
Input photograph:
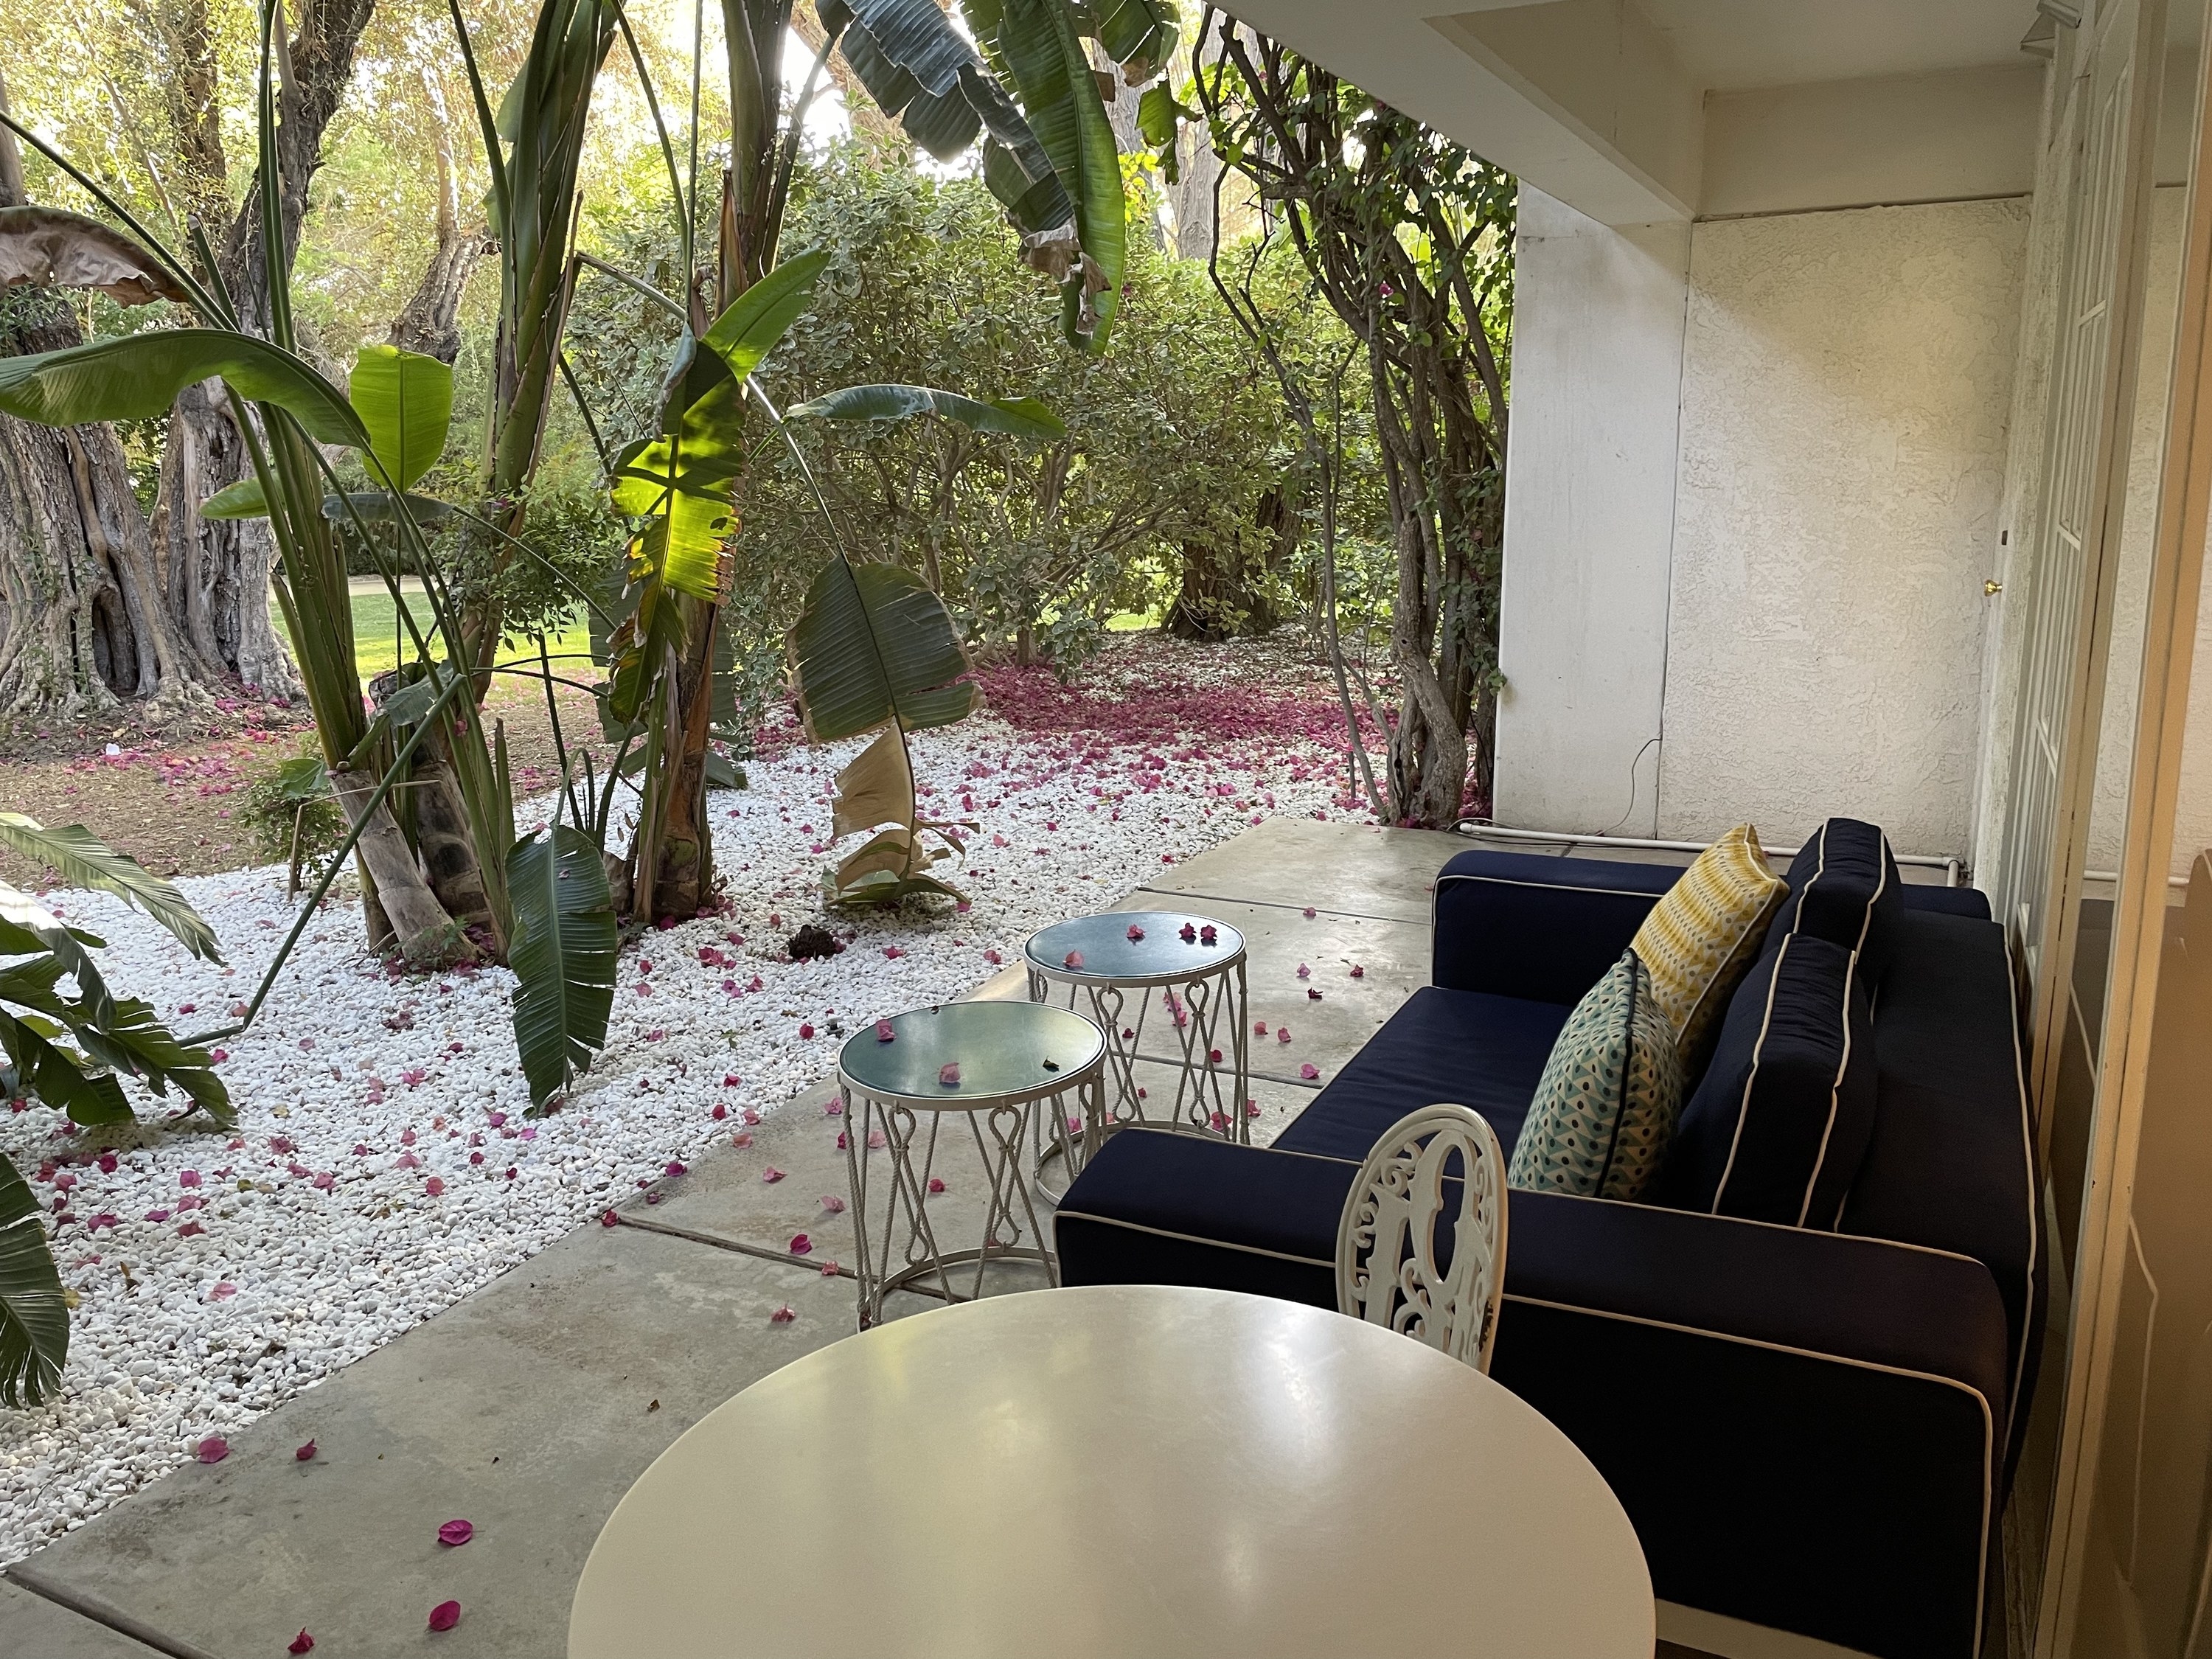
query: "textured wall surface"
1847, 380
1589, 519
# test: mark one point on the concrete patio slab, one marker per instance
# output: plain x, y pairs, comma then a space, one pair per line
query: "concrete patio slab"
527, 1408
1349, 869
33, 1627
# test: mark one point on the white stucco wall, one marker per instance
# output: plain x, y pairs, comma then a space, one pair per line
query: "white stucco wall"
1845, 383
1589, 519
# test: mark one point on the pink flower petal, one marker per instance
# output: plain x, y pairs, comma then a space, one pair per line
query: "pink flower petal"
1189, 934
1309, 1070
832, 1203
834, 1109
719, 1112
771, 1174
212, 1449
891, 952
1258, 1028
991, 957
949, 1074
1312, 996
1282, 1034
806, 1030
609, 1218
1251, 1108
749, 1116
497, 1120
673, 1168
782, 1316
1305, 972
223, 1291
743, 1138
189, 1178
433, 1186
456, 1532
445, 1615
302, 1643
937, 1184
1135, 933
1357, 972
306, 1454
876, 1142
884, 1033
157, 1215
1310, 913
801, 1245
1075, 958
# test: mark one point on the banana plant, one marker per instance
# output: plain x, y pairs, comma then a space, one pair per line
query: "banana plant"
69, 1050
874, 649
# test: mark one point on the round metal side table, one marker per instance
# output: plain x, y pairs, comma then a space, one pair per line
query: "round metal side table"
1109, 965
999, 1065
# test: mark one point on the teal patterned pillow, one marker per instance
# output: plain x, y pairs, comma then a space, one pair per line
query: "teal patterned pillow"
1606, 1105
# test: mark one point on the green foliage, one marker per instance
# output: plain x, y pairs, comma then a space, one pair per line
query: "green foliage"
1172, 436
67, 1049
563, 956
290, 817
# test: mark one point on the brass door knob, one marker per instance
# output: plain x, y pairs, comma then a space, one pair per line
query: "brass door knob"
1992, 587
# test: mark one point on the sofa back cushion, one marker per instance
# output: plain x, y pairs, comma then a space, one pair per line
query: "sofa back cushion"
1777, 1126
1699, 939
1606, 1105
1843, 888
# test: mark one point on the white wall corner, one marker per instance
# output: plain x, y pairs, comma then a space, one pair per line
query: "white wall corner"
1589, 510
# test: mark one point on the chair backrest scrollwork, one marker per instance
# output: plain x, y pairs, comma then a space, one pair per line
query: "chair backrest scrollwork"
1395, 1266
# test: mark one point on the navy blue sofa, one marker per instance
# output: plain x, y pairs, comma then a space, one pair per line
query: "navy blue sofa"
1810, 1430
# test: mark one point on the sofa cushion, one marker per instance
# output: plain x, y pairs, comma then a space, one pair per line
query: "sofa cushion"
1843, 888
1605, 1108
1533, 926
1701, 937
1777, 1126
1465, 1047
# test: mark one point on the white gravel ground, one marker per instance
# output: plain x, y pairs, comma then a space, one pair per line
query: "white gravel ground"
383, 1166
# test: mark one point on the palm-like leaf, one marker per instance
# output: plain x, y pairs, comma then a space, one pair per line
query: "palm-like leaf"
84, 861
405, 402
1020, 417
873, 644
33, 1308
563, 956
1044, 56
54, 1076
49, 247
138, 376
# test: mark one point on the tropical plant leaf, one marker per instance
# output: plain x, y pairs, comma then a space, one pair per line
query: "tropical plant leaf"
33, 1308
53, 1076
1021, 418
1044, 56
49, 247
748, 330
876, 786
1138, 34
563, 956
138, 376
84, 861
405, 402
134, 1042
376, 505
872, 642
243, 500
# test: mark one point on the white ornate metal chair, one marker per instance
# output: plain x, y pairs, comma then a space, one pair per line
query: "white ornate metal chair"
1386, 1244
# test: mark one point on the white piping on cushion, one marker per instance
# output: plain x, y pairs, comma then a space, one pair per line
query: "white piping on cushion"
1781, 1226
1835, 1099
1988, 1429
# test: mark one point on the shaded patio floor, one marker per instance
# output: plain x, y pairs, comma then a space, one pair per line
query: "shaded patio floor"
529, 1407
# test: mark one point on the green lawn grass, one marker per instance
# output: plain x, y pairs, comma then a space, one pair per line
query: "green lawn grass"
379, 643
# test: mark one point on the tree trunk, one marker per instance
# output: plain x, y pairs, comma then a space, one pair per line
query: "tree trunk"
429, 323
216, 571
1223, 593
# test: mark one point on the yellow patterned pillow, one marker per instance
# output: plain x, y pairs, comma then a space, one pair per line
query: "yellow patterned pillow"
1704, 935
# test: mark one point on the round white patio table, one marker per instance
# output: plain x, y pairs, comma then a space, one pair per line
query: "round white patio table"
1126, 1471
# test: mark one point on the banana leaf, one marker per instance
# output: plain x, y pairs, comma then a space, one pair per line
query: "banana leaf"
138, 376
69, 1082
33, 1308
85, 861
1020, 417
1045, 59
405, 402
873, 644
563, 956
50, 247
